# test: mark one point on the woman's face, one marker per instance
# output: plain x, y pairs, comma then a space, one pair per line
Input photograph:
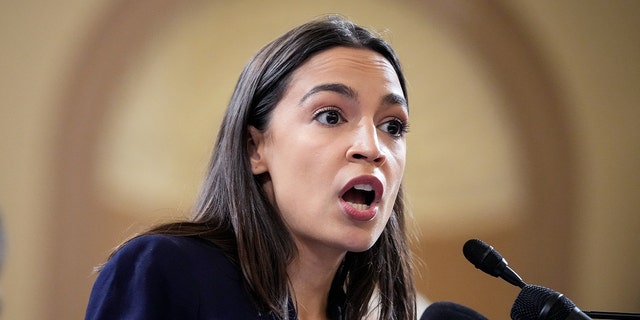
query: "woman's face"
334, 150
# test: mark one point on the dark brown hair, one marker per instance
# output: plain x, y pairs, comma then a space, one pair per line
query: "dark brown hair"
233, 211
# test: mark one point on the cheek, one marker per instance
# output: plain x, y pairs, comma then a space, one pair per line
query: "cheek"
290, 153
397, 162
294, 165
396, 173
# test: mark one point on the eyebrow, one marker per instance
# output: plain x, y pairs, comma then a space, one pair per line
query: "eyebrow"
338, 88
393, 98
344, 90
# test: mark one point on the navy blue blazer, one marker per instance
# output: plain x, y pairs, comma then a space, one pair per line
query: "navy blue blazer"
171, 277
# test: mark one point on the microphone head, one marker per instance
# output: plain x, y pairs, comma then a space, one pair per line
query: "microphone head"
535, 300
483, 256
444, 310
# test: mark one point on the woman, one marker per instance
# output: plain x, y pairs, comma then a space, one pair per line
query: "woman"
301, 213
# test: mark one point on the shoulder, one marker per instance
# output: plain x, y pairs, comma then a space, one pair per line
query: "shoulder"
170, 249
158, 275
153, 245
176, 260
164, 253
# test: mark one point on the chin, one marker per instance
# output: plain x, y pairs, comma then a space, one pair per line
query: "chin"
361, 244
358, 250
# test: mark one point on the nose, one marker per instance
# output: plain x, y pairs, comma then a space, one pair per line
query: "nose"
366, 146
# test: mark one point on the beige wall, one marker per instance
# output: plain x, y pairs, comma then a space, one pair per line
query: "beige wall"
594, 47
591, 48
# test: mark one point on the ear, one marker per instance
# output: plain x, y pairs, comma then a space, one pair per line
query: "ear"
255, 148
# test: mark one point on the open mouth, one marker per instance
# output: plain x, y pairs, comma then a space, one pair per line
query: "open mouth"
360, 196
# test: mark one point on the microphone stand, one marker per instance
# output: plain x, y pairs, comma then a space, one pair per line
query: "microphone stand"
612, 315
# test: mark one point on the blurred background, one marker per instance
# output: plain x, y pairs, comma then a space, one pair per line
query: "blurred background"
524, 133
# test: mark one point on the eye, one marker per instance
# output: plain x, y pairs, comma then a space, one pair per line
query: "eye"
329, 116
395, 127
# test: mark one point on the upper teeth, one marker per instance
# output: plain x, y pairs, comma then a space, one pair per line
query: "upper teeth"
363, 187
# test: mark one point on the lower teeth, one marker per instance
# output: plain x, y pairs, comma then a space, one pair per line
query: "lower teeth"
359, 206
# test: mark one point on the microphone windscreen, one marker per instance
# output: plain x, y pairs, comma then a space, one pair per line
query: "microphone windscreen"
445, 310
482, 256
533, 299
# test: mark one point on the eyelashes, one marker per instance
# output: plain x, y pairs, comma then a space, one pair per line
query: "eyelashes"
395, 127
332, 116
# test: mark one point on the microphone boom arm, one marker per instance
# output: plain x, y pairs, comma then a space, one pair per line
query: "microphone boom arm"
612, 315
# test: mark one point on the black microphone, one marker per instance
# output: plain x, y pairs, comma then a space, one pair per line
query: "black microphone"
445, 310
534, 302
540, 303
487, 259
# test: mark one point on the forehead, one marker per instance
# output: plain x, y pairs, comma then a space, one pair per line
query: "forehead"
347, 63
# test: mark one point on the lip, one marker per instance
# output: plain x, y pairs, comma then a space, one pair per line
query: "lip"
369, 213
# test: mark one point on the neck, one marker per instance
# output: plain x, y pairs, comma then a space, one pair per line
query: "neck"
311, 276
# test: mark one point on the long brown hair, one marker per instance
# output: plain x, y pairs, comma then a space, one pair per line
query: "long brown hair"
233, 211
